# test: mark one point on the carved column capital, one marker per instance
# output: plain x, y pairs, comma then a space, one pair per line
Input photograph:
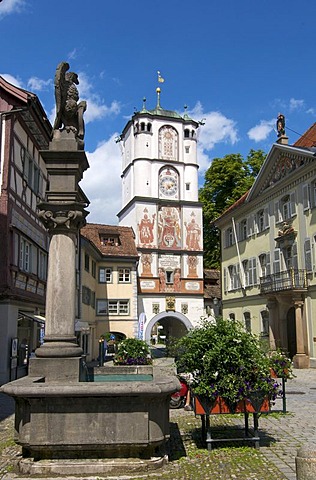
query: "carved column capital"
67, 218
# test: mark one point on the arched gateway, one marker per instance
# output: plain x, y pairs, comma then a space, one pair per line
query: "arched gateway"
175, 324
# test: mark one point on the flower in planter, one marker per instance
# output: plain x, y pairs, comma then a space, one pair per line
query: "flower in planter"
132, 351
226, 361
281, 364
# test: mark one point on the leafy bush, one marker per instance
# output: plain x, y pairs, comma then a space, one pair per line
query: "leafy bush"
132, 351
225, 360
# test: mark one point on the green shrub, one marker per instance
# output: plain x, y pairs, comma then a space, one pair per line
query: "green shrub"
132, 351
225, 360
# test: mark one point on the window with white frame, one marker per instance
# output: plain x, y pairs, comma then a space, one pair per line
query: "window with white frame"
264, 263
101, 306
286, 208
124, 275
262, 220
105, 275
229, 237
252, 269
245, 266
31, 171
306, 197
243, 229
25, 255
118, 307
277, 261
234, 277
42, 265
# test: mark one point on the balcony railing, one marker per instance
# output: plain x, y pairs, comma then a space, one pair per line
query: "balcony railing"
292, 279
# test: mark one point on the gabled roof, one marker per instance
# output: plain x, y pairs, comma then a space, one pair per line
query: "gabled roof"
28, 106
308, 139
126, 248
282, 160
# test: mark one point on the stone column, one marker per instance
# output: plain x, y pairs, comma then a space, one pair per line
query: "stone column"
300, 359
63, 214
274, 335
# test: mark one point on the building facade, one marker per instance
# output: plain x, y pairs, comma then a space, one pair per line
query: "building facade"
108, 286
24, 132
160, 202
268, 251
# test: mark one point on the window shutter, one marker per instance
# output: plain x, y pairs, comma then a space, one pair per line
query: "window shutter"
225, 279
266, 217
293, 204
308, 255
268, 264
306, 197
250, 226
276, 263
278, 217
294, 256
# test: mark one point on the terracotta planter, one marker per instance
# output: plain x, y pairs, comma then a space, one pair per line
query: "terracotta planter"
204, 406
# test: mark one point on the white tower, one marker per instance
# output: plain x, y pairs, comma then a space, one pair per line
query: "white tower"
160, 202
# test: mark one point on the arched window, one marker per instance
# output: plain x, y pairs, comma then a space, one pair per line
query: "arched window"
168, 143
247, 320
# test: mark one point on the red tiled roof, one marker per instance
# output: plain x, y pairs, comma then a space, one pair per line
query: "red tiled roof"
308, 139
94, 231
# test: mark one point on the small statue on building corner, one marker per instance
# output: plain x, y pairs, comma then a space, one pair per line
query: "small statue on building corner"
280, 125
69, 113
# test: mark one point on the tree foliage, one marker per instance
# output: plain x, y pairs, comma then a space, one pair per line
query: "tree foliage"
226, 180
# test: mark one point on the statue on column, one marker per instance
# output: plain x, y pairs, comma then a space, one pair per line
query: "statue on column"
69, 113
281, 125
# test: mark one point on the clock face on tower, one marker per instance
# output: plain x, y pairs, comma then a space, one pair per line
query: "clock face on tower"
168, 183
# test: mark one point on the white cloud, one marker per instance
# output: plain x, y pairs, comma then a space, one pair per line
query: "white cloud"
11, 79
96, 109
11, 6
296, 104
37, 84
216, 129
102, 182
261, 132
72, 55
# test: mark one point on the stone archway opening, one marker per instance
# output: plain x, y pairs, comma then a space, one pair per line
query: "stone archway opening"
166, 326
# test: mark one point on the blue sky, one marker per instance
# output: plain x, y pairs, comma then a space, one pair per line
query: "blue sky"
235, 63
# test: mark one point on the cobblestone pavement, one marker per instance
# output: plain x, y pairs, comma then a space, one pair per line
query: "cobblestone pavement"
281, 435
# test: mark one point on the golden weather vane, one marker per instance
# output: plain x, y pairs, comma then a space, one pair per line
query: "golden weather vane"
160, 80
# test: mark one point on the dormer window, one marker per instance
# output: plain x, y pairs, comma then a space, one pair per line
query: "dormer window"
110, 240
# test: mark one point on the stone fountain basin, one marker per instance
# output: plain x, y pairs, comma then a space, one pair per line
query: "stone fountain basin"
91, 420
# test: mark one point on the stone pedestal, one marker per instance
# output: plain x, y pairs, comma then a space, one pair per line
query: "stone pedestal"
306, 462
300, 360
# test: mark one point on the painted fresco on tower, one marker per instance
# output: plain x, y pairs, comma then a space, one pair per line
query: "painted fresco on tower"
193, 233
168, 143
169, 228
146, 228
169, 273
